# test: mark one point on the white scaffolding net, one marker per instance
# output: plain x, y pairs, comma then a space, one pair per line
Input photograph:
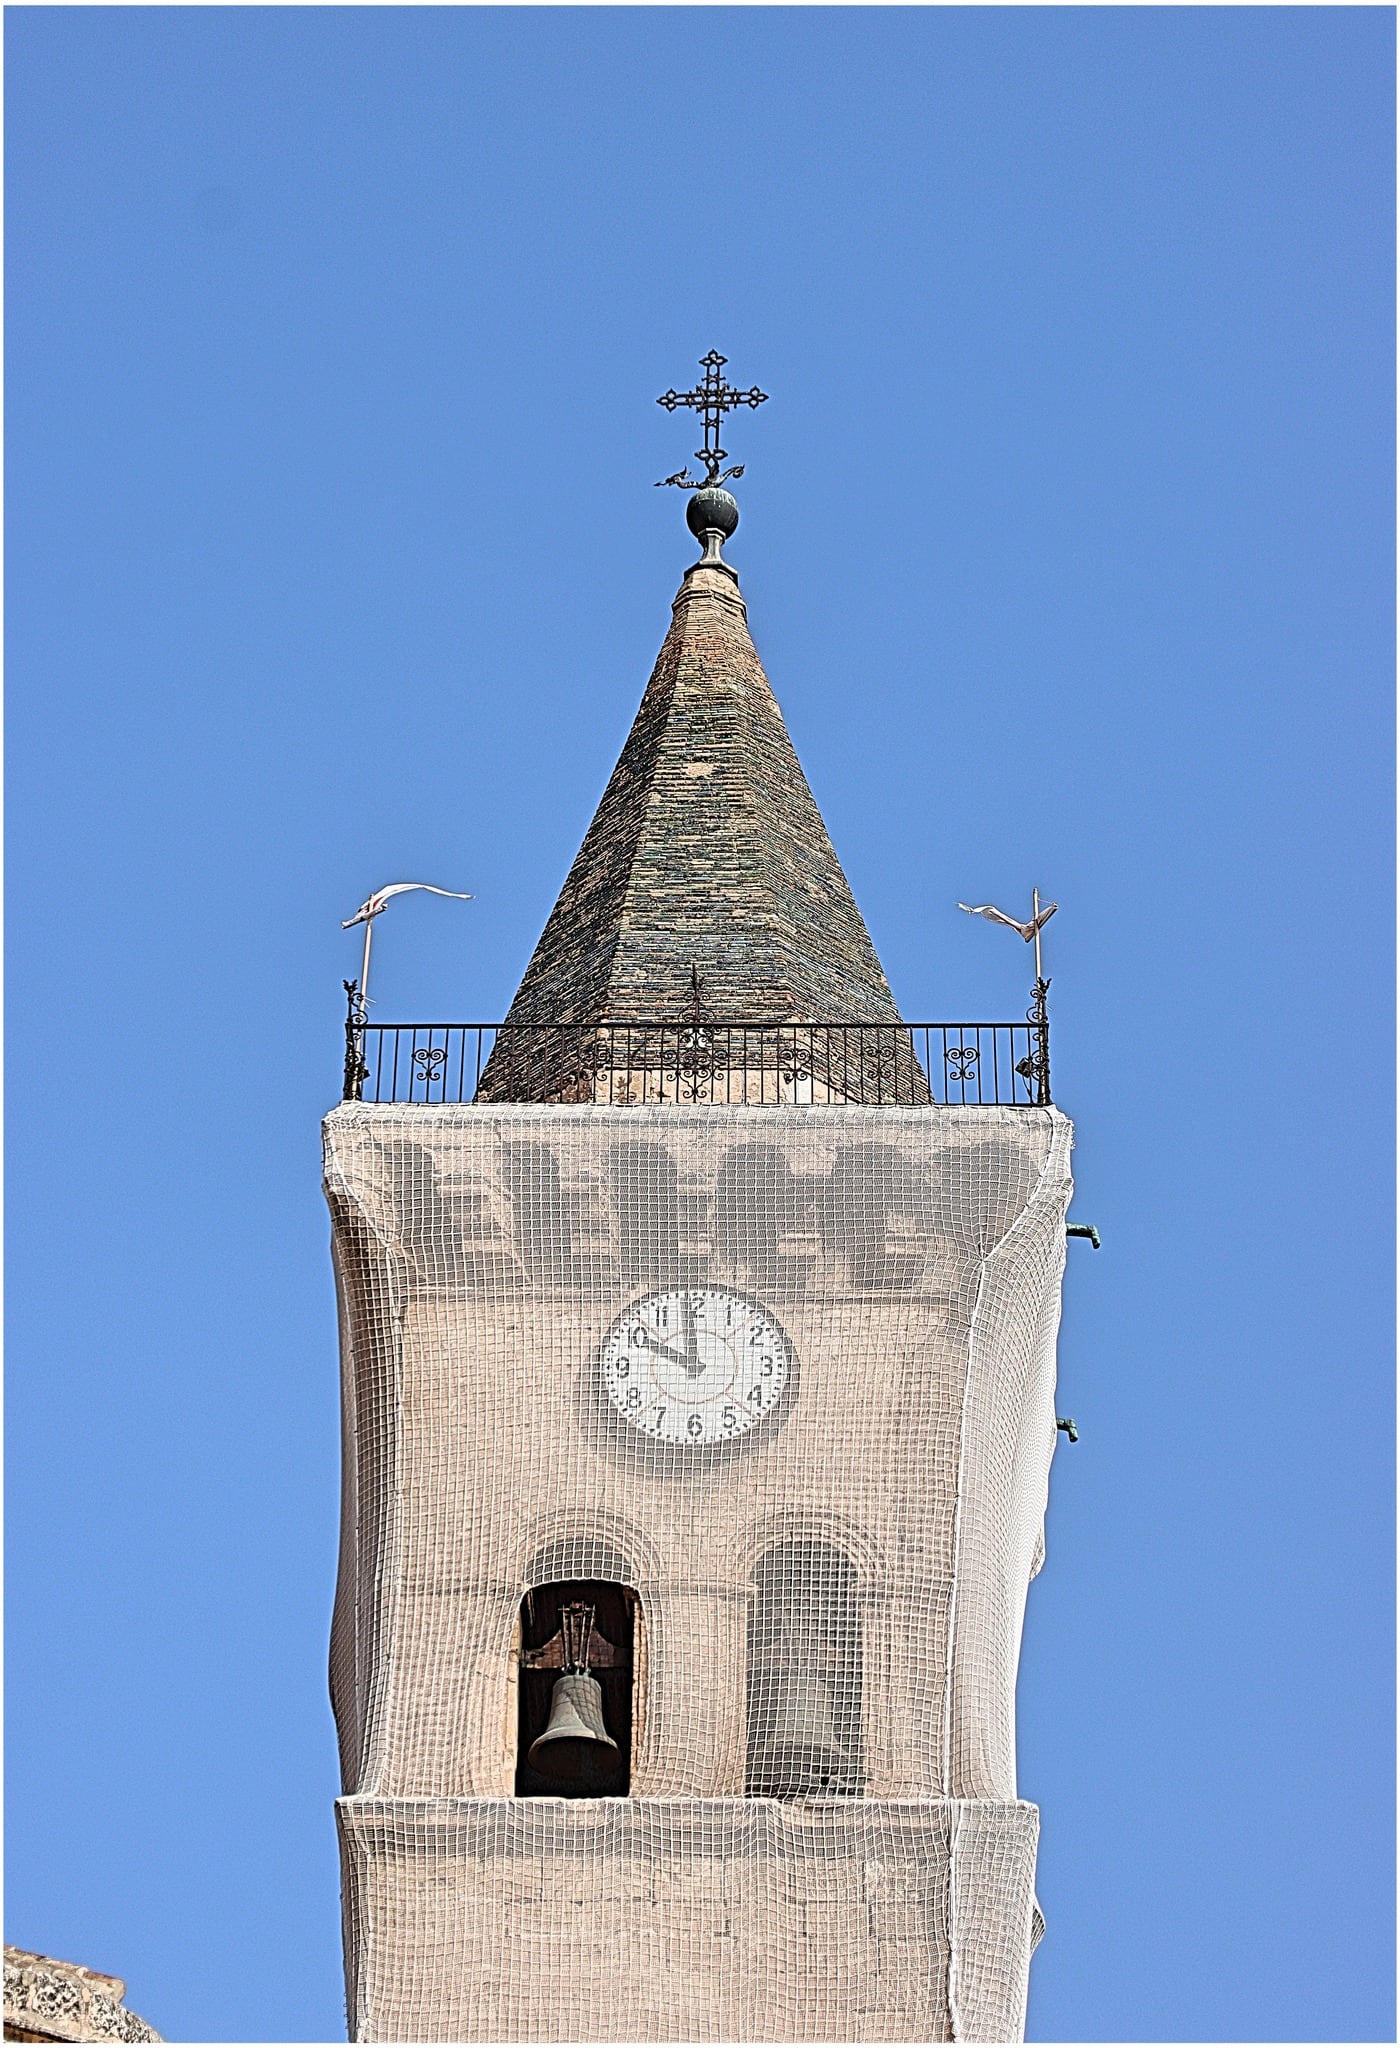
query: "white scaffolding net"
696, 1465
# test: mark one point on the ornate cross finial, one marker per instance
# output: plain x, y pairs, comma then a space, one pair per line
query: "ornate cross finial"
712, 400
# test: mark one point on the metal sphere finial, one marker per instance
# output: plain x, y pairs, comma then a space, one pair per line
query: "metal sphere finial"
711, 510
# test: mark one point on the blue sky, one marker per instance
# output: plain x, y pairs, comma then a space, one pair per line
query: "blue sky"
334, 336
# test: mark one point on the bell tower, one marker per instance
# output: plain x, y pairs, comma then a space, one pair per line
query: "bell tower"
698, 1338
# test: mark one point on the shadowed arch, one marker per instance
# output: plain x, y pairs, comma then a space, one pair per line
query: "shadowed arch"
583, 1544
805, 1675
810, 1525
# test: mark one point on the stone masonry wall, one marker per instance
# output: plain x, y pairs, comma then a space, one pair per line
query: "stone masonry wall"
913, 1259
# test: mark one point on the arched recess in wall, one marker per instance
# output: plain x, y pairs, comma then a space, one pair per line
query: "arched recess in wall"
576, 1543
805, 1674
874, 1218
643, 1185
825, 1526
541, 1211
757, 1203
578, 1642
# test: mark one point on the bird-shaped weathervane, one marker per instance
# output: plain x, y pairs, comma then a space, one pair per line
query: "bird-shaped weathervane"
1030, 931
373, 907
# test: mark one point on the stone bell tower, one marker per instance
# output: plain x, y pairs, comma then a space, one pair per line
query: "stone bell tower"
698, 1334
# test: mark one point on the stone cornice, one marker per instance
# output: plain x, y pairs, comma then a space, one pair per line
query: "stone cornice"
48, 2000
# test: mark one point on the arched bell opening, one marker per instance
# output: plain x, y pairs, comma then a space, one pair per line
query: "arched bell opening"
804, 1676
574, 1733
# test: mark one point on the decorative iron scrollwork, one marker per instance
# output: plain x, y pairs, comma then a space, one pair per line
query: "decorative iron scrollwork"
592, 1058
698, 1058
712, 399
961, 1062
430, 1061
878, 1069
356, 1072
697, 1064
793, 1074
1034, 1069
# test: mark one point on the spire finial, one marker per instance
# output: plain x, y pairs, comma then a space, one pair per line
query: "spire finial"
712, 399
712, 514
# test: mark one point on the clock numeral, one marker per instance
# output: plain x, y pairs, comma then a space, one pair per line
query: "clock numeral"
634, 1397
694, 1426
756, 1395
622, 1367
765, 1366
660, 1418
758, 1335
638, 1338
730, 1419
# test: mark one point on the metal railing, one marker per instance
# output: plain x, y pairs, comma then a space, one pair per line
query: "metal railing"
624, 1063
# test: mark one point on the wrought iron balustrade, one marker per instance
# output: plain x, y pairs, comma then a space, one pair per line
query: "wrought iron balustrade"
636, 1063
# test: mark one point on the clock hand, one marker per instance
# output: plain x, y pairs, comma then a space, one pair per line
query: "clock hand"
693, 1365
666, 1351
690, 1361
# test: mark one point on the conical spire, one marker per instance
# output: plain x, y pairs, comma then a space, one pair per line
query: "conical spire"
708, 851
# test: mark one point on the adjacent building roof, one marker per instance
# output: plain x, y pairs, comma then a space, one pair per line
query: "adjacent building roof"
48, 2000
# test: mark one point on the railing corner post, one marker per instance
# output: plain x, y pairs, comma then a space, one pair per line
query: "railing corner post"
355, 1068
1041, 1020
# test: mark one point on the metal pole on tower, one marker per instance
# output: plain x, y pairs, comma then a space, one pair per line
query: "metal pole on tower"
364, 965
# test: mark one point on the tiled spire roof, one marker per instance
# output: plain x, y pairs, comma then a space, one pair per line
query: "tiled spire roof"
706, 850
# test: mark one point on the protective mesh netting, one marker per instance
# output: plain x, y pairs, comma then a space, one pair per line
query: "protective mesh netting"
767, 1396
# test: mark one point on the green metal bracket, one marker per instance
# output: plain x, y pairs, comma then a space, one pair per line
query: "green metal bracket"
1083, 1230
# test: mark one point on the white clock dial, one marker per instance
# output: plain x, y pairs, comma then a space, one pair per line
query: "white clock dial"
695, 1365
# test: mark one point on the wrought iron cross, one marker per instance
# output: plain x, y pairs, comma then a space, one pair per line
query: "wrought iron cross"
712, 400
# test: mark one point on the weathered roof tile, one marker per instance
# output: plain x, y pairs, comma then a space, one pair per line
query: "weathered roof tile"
707, 850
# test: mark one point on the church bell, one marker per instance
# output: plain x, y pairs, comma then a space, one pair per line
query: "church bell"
576, 1745
797, 1749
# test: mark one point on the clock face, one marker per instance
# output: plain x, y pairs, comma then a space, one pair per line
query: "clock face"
696, 1365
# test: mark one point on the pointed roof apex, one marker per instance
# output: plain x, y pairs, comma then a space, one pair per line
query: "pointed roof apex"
707, 856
